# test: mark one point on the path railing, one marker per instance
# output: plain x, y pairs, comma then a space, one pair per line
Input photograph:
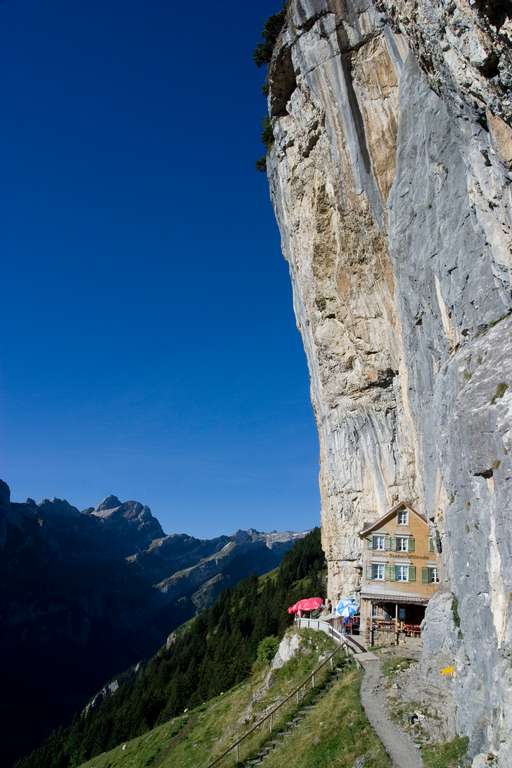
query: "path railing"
297, 693
321, 625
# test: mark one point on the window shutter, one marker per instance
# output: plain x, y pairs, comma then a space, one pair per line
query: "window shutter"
370, 542
425, 576
391, 575
369, 572
412, 573
431, 547
392, 543
412, 544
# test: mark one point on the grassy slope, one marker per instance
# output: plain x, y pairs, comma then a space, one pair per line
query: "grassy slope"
334, 735
450, 754
192, 740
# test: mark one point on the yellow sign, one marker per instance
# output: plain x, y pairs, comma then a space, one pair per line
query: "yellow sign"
448, 671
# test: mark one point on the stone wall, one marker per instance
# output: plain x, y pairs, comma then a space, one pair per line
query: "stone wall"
390, 177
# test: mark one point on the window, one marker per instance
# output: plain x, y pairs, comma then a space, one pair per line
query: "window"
378, 571
402, 572
402, 544
378, 542
403, 517
430, 575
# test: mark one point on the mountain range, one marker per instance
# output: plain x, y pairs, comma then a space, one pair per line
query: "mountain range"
86, 594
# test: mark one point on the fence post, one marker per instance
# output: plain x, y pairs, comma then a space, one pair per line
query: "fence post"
313, 680
298, 689
330, 662
238, 753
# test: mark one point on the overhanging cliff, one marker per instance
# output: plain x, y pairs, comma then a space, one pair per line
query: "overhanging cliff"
391, 176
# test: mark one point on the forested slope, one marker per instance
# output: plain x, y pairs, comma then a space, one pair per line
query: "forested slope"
208, 656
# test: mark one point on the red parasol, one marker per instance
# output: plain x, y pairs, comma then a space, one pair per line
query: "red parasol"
306, 604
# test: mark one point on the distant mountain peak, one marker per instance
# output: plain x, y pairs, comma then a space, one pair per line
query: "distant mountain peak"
129, 519
56, 508
109, 502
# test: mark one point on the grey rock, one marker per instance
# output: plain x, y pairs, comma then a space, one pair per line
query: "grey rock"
132, 521
57, 508
391, 180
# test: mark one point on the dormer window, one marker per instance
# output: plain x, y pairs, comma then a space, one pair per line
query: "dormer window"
403, 517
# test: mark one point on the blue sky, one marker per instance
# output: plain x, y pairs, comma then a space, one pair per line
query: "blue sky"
148, 343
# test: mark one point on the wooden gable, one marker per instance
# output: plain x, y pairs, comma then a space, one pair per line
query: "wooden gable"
388, 515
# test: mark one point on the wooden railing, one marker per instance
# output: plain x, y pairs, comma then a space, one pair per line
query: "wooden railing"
268, 719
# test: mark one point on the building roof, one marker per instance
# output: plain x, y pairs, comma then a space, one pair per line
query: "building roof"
369, 527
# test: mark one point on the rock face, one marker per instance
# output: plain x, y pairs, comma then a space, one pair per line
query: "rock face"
231, 558
131, 521
391, 178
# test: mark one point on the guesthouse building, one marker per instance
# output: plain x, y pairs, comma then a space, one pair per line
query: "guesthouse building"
400, 573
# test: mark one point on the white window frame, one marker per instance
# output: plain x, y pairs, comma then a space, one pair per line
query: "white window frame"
380, 568
401, 570
402, 540
403, 513
434, 571
381, 539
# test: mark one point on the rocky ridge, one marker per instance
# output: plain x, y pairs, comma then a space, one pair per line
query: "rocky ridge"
391, 179
85, 595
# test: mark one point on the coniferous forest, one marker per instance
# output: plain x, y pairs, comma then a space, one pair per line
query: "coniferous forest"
209, 655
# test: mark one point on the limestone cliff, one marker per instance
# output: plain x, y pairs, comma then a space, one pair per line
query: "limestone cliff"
391, 176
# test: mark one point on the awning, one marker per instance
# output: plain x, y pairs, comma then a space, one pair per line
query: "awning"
390, 597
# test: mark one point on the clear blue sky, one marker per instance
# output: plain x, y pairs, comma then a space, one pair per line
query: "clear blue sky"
148, 344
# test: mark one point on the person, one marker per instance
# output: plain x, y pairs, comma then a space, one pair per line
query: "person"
329, 607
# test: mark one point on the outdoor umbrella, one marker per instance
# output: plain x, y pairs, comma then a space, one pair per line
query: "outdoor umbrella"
347, 607
306, 604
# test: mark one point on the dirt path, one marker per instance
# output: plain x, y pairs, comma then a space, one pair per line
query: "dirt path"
399, 746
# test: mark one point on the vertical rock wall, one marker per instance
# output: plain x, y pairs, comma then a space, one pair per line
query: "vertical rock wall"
391, 181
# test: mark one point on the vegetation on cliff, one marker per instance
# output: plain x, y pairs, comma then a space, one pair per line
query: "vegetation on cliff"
214, 652
262, 55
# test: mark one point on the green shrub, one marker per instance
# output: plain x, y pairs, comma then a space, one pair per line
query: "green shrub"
500, 391
273, 26
261, 164
267, 649
262, 55
267, 134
